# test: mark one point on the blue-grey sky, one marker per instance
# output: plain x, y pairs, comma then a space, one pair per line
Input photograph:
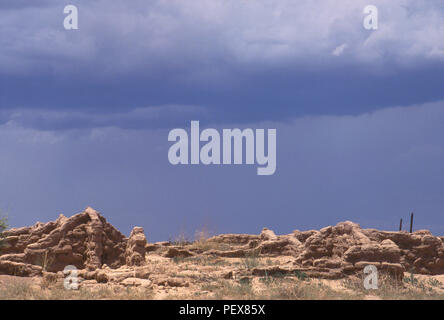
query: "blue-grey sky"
85, 114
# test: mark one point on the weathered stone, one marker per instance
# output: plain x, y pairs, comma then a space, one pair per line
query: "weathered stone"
84, 240
136, 250
177, 253
267, 235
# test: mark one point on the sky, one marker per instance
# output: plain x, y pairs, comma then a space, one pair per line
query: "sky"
85, 114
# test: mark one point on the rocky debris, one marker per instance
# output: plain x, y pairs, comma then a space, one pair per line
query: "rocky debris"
284, 245
268, 235
19, 269
85, 240
349, 248
386, 251
303, 235
149, 247
234, 239
177, 253
136, 282
171, 282
420, 251
108, 275
136, 247
49, 277
104, 256
239, 253
342, 250
276, 245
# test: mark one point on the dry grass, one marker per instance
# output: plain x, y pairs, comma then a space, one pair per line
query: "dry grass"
300, 290
44, 261
209, 260
207, 279
225, 289
297, 287
202, 242
278, 287
23, 290
181, 240
251, 260
275, 288
410, 288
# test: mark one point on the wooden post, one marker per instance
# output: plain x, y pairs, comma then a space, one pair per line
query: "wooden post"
400, 225
411, 222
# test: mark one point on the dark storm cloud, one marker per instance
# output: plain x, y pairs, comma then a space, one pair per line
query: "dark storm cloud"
242, 61
275, 97
23, 4
139, 118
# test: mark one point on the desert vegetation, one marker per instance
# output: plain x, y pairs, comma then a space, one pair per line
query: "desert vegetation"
3, 227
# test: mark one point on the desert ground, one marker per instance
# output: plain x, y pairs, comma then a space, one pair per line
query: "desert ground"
315, 264
188, 282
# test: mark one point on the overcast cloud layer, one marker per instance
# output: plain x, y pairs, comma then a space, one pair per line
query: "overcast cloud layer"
85, 114
240, 60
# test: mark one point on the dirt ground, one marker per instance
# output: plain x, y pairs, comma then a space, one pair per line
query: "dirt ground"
221, 278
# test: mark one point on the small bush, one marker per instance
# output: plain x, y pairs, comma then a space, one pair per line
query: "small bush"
434, 282
301, 275
181, 240
251, 260
3, 227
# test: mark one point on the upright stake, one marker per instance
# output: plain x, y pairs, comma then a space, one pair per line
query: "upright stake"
411, 222
400, 225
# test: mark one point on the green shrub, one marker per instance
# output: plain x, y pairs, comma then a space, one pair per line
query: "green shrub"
3, 227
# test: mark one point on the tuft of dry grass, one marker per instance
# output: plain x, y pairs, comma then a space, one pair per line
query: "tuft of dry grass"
22, 290
232, 290
202, 242
389, 288
206, 245
251, 260
181, 240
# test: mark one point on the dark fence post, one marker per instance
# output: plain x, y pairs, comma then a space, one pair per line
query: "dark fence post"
400, 225
411, 222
